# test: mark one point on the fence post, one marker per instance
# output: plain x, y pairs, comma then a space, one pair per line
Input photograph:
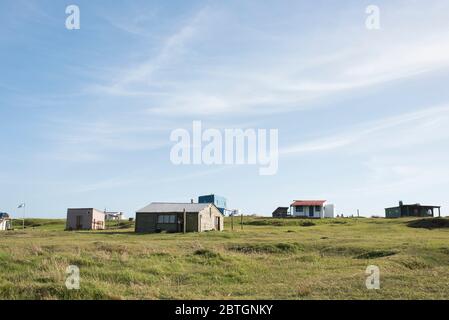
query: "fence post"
184, 220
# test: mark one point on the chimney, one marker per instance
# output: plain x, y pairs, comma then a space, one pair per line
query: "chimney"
401, 203
191, 200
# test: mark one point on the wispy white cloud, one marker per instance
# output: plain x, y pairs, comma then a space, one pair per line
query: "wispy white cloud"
131, 81
426, 125
96, 140
270, 80
141, 178
112, 183
135, 22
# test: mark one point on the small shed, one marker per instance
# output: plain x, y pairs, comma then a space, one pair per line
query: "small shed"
85, 219
280, 212
5, 222
179, 217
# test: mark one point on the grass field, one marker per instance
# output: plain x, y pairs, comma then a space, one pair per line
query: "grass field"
268, 259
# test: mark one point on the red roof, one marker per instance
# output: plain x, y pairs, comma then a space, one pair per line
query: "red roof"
308, 203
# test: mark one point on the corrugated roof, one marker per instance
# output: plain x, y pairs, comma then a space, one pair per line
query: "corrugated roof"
308, 203
155, 207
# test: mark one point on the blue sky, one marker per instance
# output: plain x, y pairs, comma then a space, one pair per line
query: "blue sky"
86, 114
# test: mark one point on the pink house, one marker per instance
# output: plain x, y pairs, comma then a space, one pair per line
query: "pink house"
85, 219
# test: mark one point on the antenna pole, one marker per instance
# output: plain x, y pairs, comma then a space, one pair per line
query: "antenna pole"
184, 220
23, 218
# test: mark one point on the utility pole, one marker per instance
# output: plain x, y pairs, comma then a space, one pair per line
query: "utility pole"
184, 220
105, 219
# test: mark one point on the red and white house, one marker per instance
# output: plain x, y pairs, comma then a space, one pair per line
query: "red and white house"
312, 209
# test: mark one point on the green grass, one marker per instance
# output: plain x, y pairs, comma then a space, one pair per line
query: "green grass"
268, 259
47, 224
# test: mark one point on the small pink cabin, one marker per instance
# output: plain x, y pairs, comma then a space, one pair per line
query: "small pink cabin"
85, 219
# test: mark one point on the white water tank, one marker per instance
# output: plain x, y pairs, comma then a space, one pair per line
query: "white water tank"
329, 211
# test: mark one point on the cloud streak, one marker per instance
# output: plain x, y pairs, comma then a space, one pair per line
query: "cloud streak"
412, 128
272, 80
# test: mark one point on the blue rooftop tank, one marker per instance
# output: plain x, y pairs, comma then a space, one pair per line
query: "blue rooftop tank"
4, 215
218, 201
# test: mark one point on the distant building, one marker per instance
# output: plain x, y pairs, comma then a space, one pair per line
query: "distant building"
218, 201
5, 222
280, 212
114, 216
312, 209
177, 217
411, 210
85, 219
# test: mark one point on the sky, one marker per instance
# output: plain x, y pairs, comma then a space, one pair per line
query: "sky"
86, 115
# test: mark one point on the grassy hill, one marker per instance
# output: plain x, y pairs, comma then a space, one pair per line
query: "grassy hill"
42, 224
269, 258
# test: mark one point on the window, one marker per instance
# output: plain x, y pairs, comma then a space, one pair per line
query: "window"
317, 208
166, 218
299, 209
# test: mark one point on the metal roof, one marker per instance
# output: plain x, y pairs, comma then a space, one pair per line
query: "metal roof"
156, 207
308, 202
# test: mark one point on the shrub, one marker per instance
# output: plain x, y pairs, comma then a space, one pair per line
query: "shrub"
429, 223
376, 254
206, 253
266, 248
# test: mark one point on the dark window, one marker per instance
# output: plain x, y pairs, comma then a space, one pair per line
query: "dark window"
166, 218
299, 209
317, 208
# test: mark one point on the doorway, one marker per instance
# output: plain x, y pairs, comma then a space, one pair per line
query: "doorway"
311, 214
217, 223
79, 222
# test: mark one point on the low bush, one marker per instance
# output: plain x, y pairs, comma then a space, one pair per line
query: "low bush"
267, 248
429, 223
376, 254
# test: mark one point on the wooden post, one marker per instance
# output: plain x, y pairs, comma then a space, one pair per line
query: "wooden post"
232, 221
184, 221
